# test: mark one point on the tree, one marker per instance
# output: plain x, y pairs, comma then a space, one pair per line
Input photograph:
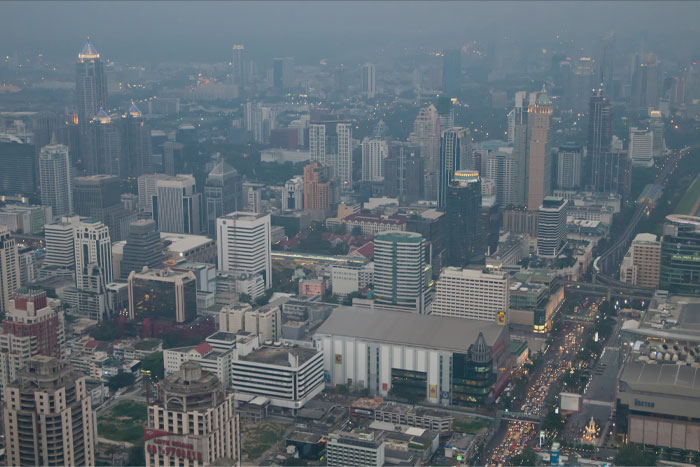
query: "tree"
265, 298
341, 229
526, 458
136, 455
633, 454
357, 230
552, 421
120, 380
153, 363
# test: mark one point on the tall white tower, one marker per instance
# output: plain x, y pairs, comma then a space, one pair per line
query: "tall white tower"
92, 245
243, 244
9, 269
55, 179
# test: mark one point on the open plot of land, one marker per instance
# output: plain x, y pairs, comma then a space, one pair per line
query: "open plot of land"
123, 422
257, 438
689, 201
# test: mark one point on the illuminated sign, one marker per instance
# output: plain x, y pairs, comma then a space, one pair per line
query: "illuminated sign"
168, 444
502, 318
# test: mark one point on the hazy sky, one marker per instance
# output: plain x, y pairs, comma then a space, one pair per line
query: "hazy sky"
309, 30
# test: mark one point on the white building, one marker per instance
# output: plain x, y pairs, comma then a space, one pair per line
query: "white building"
177, 205
349, 278
374, 151
59, 240
468, 293
293, 195
641, 147
9, 269
214, 361
399, 271
243, 244
266, 323
55, 178
92, 244
369, 83
656, 125
354, 449
569, 166
289, 376
147, 190
330, 143
551, 227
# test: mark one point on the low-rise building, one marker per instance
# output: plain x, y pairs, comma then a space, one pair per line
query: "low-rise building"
214, 361
354, 449
349, 278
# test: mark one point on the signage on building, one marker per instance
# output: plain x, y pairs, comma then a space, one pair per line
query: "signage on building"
638, 403
171, 444
502, 318
433, 390
338, 359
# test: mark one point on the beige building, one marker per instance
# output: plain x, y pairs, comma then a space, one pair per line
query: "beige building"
193, 423
539, 173
642, 263
48, 416
9, 268
474, 294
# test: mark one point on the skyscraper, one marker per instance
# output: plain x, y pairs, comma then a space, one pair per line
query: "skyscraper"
238, 66
102, 146
599, 135
455, 154
143, 248
48, 416
399, 271
452, 71
317, 190
92, 246
90, 84
463, 211
404, 175
19, 174
283, 74
243, 243
680, 255
98, 197
426, 135
551, 227
647, 84
614, 174
501, 168
176, 205
539, 164
472, 294
656, 125
374, 151
222, 194
56, 180
569, 166
330, 143
135, 144
59, 240
293, 194
516, 115
641, 147
9, 269
369, 85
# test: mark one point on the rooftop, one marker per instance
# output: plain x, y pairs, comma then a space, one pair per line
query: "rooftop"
680, 380
279, 355
183, 243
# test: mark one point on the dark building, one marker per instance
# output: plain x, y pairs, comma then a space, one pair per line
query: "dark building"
222, 194
102, 146
143, 248
18, 169
452, 71
463, 211
403, 173
136, 144
99, 197
680, 255
48, 126
614, 173
432, 225
174, 158
473, 377
90, 84
599, 137
163, 294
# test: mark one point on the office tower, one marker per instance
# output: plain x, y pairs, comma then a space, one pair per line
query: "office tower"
163, 294
135, 144
455, 154
369, 85
551, 227
176, 205
472, 294
143, 248
173, 158
48, 416
9, 269
237, 65
47, 126
569, 166
92, 244
452, 71
614, 175
330, 143
580, 83
293, 194
641, 266
59, 241
399, 271
98, 197
18, 175
426, 135
283, 74
147, 190
463, 211
501, 169
599, 134
222, 194
243, 243
607, 61
317, 190
194, 412
647, 84
374, 151
31, 327
641, 147
446, 112
56, 180
680, 255
539, 164
656, 126
102, 146
90, 84
403, 172
517, 115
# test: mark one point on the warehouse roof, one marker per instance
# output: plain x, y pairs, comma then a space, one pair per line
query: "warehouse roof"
673, 379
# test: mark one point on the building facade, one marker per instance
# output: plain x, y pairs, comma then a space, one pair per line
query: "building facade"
163, 294
463, 212
455, 154
680, 255
551, 227
399, 271
56, 179
10, 279
467, 293
539, 162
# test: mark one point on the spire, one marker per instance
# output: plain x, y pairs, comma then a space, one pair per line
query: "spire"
53, 138
133, 110
89, 52
102, 116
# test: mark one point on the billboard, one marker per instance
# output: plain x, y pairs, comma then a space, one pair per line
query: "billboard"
502, 318
171, 444
570, 402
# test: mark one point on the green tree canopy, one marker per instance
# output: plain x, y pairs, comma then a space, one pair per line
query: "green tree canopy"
633, 454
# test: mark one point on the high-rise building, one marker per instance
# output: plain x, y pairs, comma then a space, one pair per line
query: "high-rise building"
473, 294
404, 174
163, 294
501, 168
452, 71
539, 163
426, 135
293, 195
48, 126
283, 74
614, 174
92, 244
517, 115
9, 269
647, 84
374, 151
656, 126
680, 255
399, 271
147, 190
173, 158
48, 416
551, 227
641, 266
31, 327
193, 422
222, 194
317, 189
641, 147
455, 154
369, 85
569, 166
238, 73
56, 179
59, 241
90, 84
98, 197
101, 146
330, 143
19, 168
463, 212
136, 144
177, 205
243, 243
599, 135
143, 248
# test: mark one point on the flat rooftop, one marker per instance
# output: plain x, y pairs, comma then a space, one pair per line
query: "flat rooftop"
669, 379
396, 327
278, 355
183, 243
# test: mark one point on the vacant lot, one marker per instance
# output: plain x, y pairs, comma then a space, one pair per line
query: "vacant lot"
259, 437
123, 422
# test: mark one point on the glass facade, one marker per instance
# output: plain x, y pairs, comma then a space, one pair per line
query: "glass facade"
158, 299
472, 381
409, 385
680, 255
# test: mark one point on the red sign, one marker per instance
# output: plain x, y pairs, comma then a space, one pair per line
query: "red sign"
171, 444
